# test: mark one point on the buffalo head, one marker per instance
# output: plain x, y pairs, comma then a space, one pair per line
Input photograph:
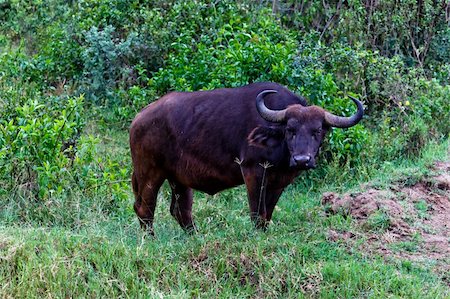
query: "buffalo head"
302, 130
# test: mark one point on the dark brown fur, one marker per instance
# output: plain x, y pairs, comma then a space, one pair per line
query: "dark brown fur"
214, 140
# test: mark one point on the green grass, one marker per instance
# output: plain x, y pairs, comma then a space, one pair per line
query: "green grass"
422, 209
117, 260
99, 250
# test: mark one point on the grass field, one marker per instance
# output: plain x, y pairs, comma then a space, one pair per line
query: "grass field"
81, 248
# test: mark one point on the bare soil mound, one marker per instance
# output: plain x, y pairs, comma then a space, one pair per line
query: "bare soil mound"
410, 221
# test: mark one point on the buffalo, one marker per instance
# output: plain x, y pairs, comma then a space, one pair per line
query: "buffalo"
261, 135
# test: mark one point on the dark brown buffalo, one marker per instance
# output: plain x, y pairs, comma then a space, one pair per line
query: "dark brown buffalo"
260, 135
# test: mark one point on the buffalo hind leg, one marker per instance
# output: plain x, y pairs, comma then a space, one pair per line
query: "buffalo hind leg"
181, 206
146, 193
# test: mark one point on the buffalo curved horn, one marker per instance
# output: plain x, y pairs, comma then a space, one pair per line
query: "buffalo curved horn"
276, 116
345, 122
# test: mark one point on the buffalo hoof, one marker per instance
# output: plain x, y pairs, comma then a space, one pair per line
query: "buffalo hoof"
191, 229
261, 224
147, 228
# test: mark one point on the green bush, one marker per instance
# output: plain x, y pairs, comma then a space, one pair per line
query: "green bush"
38, 140
412, 30
235, 51
50, 167
107, 62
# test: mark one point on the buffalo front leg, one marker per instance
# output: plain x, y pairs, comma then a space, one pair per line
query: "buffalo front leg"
272, 197
146, 192
256, 192
181, 206
261, 198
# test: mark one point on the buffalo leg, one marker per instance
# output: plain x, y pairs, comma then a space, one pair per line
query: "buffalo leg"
256, 192
261, 198
146, 192
181, 206
272, 197
262, 204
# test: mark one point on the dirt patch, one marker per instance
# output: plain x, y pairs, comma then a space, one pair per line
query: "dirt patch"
442, 181
374, 209
408, 221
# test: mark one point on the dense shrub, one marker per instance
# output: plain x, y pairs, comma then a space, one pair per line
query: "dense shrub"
49, 168
413, 30
38, 139
238, 53
105, 61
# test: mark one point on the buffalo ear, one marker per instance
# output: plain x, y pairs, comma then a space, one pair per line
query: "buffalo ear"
266, 137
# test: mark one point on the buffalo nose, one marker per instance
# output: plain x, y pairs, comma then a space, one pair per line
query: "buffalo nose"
302, 159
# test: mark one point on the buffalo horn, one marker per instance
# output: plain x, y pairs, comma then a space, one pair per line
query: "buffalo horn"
345, 122
266, 113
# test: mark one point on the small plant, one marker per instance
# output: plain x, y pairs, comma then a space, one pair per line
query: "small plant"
378, 221
422, 209
410, 245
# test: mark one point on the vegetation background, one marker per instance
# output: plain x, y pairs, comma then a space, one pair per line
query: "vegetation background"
74, 73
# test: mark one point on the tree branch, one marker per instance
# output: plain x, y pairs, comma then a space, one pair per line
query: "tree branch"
330, 20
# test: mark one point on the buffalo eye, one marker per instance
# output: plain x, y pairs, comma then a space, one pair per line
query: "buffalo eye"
317, 133
291, 132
